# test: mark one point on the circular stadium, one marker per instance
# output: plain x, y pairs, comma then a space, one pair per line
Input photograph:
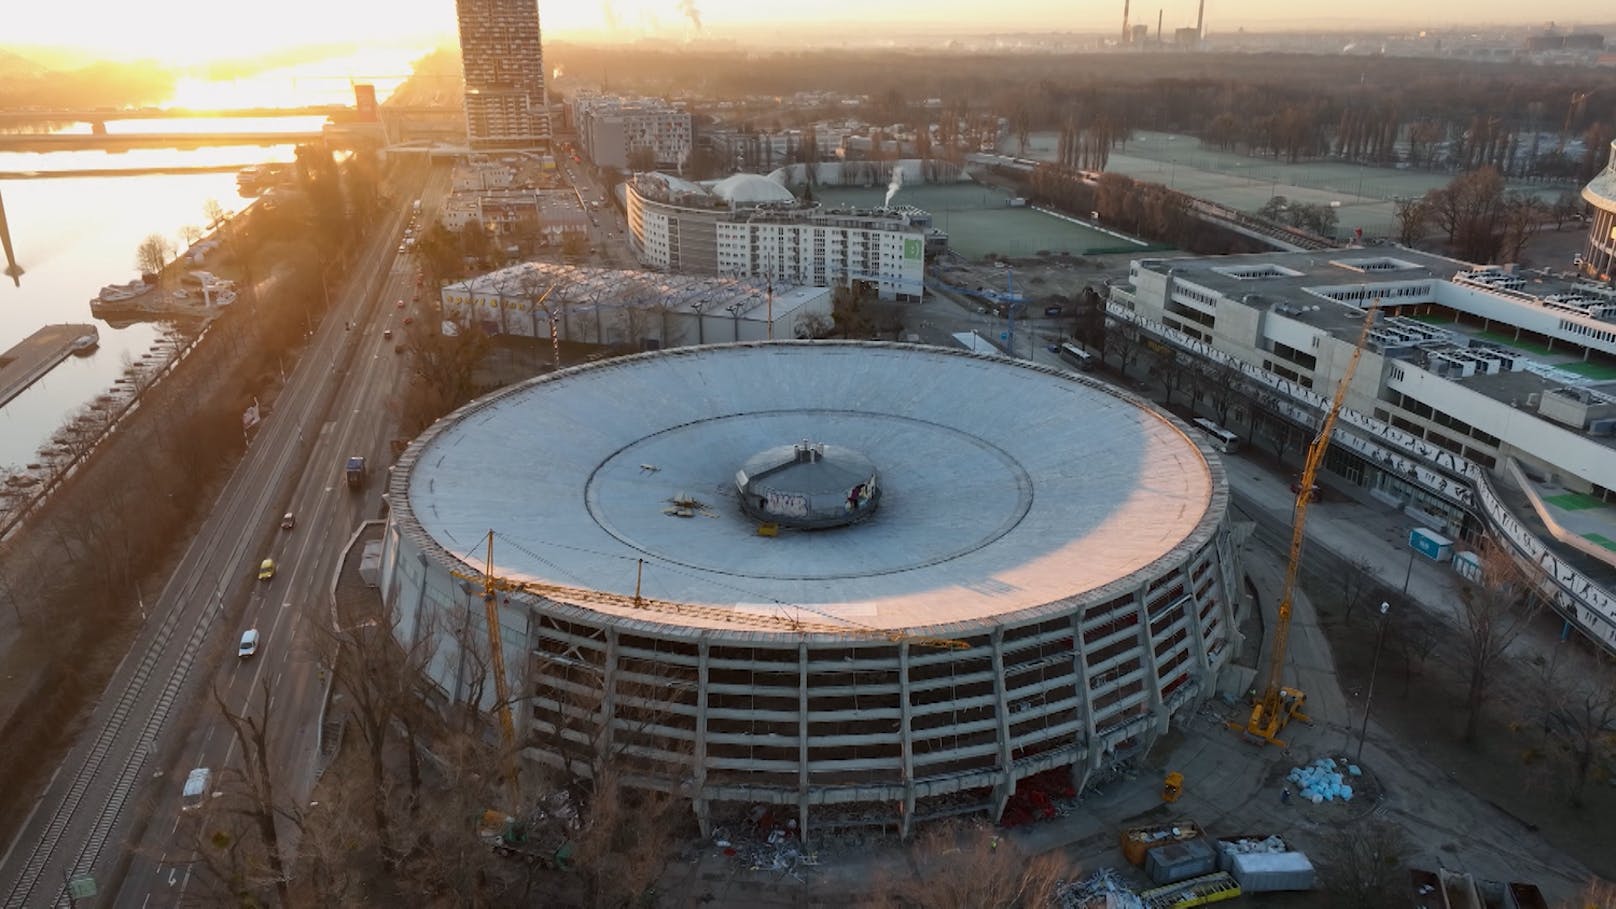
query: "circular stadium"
873, 583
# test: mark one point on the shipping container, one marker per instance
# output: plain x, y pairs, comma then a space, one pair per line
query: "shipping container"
1430, 544
1260, 872
1180, 861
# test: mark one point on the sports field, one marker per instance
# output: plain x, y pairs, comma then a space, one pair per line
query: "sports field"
979, 220
1362, 196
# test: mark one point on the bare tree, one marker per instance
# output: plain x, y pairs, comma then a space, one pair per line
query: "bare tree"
153, 253
1361, 865
1354, 583
960, 866
190, 233
214, 212
258, 787
1222, 386
1494, 611
1124, 341
1173, 373
1580, 723
1413, 215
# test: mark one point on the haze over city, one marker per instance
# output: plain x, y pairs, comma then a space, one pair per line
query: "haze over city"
189, 31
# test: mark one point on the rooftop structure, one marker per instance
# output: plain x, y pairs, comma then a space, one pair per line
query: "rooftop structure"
503, 58
1073, 550
639, 309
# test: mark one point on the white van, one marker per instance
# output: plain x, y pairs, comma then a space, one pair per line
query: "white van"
196, 788
249, 643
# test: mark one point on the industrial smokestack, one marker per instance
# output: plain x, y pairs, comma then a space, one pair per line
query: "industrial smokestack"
1126, 35
1158, 26
1200, 21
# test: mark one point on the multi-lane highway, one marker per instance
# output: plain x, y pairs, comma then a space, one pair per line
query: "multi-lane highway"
111, 810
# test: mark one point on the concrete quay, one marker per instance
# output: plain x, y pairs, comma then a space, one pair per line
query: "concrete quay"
31, 358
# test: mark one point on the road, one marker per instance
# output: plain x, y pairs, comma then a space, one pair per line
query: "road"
110, 809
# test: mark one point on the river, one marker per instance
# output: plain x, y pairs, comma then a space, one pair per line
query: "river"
72, 235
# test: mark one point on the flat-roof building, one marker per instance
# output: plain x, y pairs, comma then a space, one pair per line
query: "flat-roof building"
751, 225
1471, 378
637, 309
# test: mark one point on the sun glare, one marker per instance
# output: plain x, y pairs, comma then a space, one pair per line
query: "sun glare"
322, 82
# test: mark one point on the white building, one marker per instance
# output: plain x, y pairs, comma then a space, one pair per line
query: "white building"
752, 226
1471, 378
611, 128
642, 310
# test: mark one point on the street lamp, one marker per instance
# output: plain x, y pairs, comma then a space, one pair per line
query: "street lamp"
1374, 670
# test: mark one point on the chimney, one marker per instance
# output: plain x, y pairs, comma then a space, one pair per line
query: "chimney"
1126, 35
1200, 21
1158, 26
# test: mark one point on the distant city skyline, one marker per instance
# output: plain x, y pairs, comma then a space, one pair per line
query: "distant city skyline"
191, 31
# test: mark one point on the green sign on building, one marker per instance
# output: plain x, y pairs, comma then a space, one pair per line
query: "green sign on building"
912, 249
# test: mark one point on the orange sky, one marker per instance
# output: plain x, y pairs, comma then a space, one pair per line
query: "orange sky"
187, 31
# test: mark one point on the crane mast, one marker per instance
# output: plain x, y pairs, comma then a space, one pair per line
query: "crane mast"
1277, 704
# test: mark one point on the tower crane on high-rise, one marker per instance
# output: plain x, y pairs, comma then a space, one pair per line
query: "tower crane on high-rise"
1277, 705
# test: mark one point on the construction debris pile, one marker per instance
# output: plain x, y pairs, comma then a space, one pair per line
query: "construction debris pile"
1322, 781
1104, 889
763, 843
1247, 846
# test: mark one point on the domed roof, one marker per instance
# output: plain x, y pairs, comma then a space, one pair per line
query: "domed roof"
751, 189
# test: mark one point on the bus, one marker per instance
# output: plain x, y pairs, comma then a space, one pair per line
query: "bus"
1222, 439
1076, 356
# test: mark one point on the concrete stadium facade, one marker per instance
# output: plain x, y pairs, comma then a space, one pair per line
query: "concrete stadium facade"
1599, 256
1075, 548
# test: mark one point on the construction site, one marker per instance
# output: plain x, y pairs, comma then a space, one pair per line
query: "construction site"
674, 591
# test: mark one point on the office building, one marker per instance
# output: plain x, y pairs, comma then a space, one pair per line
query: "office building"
503, 59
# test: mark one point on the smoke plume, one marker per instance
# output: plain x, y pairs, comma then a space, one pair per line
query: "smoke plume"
688, 7
895, 185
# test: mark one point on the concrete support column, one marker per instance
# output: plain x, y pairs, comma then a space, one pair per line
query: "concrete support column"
906, 733
1089, 737
1148, 663
698, 770
1193, 613
802, 740
1001, 710
608, 701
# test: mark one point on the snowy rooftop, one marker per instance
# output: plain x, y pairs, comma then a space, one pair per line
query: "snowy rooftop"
1005, 486
583, 286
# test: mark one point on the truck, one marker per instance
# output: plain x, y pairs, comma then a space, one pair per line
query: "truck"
356, 472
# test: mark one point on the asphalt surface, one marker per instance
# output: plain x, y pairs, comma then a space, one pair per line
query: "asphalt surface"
111, 810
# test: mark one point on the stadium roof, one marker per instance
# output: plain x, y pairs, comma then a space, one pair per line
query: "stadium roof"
1005, 486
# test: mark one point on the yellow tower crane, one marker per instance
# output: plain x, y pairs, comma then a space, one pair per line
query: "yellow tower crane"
493, 585
1278, 705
